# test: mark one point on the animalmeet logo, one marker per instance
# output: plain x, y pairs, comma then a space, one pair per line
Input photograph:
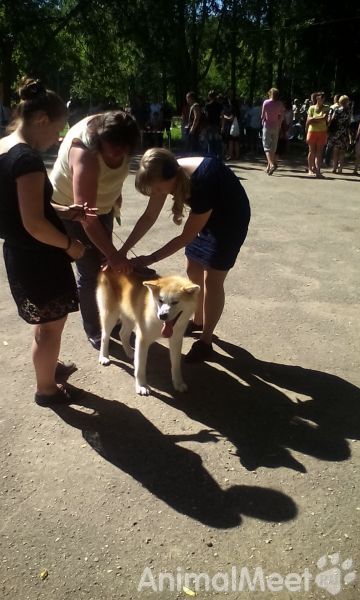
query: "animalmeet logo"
333, 575
332, 579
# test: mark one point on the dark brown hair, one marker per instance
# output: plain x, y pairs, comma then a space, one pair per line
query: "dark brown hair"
34, 97
116, 127
315, 95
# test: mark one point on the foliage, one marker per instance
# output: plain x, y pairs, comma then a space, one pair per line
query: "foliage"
121, 48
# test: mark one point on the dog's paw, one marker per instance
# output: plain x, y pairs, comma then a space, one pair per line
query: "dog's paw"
142, 390
103, 360
180, 386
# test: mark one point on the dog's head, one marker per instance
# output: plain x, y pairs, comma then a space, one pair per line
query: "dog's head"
175, 301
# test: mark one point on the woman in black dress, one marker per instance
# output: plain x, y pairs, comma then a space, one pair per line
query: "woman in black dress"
213, 233
37, 250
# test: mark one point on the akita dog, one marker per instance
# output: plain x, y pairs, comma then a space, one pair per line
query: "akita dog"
158, 307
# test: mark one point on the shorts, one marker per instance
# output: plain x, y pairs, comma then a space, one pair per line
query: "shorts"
215, 253
270, 139
316, 138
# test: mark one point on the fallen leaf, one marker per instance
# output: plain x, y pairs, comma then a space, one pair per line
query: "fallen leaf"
44, 574
188, 591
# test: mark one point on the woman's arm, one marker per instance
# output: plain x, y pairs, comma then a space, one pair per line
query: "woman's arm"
145, 222
317, 118
30, 190
85, 170
311, 120
192, 227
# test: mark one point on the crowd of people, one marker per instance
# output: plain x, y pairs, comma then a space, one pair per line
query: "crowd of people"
229, 128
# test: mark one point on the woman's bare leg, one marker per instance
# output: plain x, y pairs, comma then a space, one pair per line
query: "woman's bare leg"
269, 158
335, 159
214, 300
45, 353
341, 160
318, 158
311, 158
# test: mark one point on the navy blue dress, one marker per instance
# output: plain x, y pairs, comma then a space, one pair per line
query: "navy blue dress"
40, 276
215, 187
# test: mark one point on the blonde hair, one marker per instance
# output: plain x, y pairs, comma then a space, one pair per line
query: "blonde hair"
343, 100
158, 164
274, 93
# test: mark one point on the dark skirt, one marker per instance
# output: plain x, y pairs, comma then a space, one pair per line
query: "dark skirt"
41, 281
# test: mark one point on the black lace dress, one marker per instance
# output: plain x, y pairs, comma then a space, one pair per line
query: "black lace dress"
40, 276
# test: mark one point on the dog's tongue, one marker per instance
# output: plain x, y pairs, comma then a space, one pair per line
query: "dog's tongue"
167, 329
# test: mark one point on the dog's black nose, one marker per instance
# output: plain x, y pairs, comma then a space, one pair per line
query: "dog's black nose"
164, 317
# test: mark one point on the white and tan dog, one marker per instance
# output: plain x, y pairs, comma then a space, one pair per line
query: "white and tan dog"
159, 307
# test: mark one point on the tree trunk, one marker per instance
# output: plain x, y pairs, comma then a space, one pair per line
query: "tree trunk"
233, 47
252, 84
7, 70
269, 46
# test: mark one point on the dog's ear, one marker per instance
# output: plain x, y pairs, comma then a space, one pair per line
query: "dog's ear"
151, 285
192, 288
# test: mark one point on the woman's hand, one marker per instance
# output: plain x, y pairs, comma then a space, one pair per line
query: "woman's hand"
141, 261
118, 262
81, 212
75, 212
76, 250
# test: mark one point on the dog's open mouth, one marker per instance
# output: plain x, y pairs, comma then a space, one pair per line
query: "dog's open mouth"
168, 326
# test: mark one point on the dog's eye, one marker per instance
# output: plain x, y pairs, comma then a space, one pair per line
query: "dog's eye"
175, 302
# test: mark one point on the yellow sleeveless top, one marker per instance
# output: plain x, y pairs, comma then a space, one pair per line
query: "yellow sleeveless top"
110, 181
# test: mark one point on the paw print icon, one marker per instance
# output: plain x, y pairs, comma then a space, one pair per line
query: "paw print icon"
334, 573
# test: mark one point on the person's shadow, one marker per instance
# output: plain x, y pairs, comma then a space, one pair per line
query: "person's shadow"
243, 402
176, 475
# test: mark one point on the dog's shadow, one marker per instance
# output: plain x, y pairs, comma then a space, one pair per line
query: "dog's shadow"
176, 475
245, 400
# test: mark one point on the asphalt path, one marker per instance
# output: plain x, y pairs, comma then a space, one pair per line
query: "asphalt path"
256, 467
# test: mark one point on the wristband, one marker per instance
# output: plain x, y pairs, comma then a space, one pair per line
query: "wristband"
69, 243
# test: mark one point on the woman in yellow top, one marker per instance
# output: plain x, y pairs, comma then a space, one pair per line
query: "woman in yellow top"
316, 127
91, 167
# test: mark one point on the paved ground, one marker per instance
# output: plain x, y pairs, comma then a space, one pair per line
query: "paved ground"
253, 472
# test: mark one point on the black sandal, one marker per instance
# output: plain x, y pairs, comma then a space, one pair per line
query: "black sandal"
199, 352
64, 369
62, 396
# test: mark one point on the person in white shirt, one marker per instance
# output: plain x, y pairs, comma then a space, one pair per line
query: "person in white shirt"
91, 166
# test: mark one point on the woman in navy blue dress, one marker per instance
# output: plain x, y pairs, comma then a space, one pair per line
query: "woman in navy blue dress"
213, 233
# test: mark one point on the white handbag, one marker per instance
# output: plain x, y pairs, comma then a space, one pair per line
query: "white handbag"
235, 129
